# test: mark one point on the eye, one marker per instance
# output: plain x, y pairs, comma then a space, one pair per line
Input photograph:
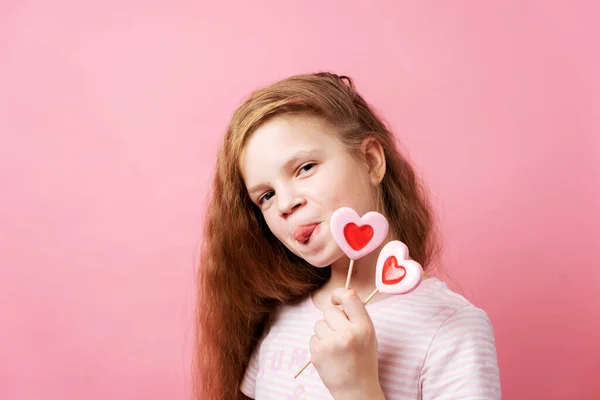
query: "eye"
265, 197
306, 167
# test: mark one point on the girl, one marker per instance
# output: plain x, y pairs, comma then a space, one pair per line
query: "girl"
272, 278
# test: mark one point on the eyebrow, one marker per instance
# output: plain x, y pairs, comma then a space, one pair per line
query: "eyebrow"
289, 164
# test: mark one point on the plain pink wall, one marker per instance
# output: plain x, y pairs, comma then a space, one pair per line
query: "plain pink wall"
110, 115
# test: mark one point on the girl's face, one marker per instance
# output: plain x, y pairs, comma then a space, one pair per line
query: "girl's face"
298, 173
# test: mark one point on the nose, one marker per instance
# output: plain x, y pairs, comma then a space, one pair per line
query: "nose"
288, 201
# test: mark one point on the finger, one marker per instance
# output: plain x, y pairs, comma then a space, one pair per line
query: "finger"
314, 344
335, 300
352, 305
321, 329
336, 319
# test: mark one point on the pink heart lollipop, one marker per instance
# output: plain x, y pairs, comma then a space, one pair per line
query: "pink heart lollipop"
395, 273
357, 236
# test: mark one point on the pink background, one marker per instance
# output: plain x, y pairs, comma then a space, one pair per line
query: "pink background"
110, 114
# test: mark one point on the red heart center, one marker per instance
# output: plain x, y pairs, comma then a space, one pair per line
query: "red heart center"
358, 236
392, 272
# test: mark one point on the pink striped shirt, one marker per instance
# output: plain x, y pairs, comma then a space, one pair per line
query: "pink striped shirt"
433, 344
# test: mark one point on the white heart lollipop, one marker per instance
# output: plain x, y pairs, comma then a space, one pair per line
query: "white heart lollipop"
395, 273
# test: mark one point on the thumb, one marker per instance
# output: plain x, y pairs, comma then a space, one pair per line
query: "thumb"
351, 304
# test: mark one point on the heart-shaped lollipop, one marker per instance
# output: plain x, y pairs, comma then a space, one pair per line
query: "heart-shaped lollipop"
358, 236
395, 273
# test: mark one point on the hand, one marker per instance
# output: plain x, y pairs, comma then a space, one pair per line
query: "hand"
344, 349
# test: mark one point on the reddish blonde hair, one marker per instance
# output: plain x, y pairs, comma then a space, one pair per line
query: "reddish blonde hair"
245, 272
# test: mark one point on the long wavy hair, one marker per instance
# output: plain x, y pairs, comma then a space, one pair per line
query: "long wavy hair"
244, 271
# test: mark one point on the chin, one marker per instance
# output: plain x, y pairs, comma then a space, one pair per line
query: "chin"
318, 264
322, 261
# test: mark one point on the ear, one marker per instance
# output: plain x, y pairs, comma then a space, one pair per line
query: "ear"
375, 157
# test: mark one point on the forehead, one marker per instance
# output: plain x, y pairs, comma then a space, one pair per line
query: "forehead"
280, 139
291, 131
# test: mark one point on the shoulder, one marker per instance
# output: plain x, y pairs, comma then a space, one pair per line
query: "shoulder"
467, 317
462, 352
452, 318
467, 330
436, 291
430, 306
454, 313
441, 319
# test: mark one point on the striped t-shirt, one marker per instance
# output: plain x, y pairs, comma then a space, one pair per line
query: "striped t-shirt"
433, 344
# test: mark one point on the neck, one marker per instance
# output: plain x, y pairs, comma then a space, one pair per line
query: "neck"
362, 279
363, 273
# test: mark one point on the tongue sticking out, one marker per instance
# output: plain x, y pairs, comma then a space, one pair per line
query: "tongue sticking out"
302, 233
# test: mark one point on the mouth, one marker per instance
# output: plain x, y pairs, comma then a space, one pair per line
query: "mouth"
303, 233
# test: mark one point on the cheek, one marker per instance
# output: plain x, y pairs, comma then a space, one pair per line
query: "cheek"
275, 224
359, 192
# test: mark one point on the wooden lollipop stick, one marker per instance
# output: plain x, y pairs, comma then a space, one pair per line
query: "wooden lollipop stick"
303, 368
349, 273
373, 293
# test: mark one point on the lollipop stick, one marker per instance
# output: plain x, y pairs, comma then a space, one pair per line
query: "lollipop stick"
373, 293
303, 368
349, 273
